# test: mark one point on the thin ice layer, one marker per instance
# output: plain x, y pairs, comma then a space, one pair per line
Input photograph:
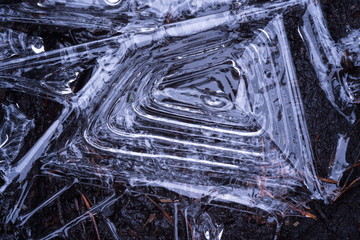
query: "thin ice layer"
15, 43
207, 106
225, 120
327, 58
231, 117
246, 112
14, 128
111, 15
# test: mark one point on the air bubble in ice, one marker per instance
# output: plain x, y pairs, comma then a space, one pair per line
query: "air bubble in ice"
215, 101
113, 2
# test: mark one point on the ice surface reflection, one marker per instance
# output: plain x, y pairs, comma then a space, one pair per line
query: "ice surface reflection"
198, 97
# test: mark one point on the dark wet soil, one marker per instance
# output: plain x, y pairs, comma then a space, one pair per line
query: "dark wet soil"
338, 220
140, 216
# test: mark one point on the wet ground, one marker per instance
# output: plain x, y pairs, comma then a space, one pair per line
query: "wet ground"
338, 220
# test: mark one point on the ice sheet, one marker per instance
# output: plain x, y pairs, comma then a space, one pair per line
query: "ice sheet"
197, 97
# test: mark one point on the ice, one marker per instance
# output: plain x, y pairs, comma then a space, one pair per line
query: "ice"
326, 57
350, 61
15, 43
150, 123
15, 126
197, 97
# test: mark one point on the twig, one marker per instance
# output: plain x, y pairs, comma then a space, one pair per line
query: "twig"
166, 214
328, 180
346, 188
149, 220
88, 206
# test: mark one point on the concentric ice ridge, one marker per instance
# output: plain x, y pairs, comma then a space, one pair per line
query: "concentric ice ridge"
207, 106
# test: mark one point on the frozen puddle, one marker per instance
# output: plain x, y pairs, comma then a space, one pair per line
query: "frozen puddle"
207, 106
207, 121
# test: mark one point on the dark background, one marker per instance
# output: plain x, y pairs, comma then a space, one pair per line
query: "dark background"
337, 220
